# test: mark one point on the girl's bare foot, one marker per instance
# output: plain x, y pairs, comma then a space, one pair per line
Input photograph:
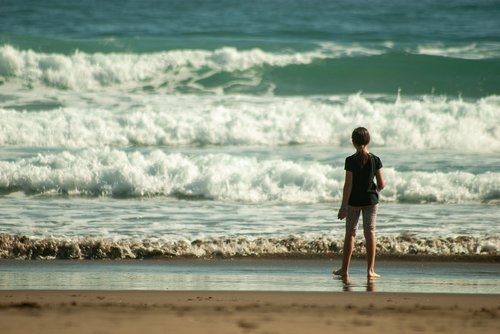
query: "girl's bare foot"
340, 272
372, 274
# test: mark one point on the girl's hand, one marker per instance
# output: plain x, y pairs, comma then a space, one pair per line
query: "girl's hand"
342, 213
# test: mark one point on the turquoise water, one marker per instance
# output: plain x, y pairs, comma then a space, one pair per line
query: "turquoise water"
207, 128
295, 47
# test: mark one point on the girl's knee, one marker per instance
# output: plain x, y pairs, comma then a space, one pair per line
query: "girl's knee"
350, 233
350, 236
369, 233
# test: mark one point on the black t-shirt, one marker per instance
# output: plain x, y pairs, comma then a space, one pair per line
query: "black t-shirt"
364, 190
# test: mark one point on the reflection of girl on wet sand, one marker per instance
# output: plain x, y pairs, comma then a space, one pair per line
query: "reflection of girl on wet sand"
348, 286
360, 195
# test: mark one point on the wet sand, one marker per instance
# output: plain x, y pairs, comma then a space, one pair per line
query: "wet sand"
249, 275
245, 312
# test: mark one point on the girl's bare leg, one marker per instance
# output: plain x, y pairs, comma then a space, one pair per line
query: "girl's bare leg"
346, 257
371, 250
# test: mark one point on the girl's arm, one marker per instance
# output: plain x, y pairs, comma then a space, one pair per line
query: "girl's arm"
345, 195
380, 179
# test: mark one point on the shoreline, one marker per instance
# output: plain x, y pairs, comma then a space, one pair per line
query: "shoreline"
79, 311
249, 274
479, 258
460, 248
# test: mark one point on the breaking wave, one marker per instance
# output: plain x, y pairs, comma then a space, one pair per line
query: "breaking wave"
224, 177
329, 69
22, 247
427, 123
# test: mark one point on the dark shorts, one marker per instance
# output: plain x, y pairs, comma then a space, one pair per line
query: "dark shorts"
369, 218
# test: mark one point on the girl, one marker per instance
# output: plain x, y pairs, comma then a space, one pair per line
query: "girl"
360, 195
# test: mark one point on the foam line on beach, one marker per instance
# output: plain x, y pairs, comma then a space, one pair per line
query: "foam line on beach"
397, 247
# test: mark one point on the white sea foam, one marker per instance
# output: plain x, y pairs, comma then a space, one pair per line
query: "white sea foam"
13, 246
83, 71
428, 123
91, 70
468, 51
225, 177
169, 69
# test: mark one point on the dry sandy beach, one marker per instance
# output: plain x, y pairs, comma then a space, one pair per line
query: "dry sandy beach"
245, 312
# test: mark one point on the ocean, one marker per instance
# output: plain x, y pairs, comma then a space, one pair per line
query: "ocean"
218, 129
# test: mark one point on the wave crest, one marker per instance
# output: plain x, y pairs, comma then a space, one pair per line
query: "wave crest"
329, 69
21, 247
428, 123
92, 71
224, 177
